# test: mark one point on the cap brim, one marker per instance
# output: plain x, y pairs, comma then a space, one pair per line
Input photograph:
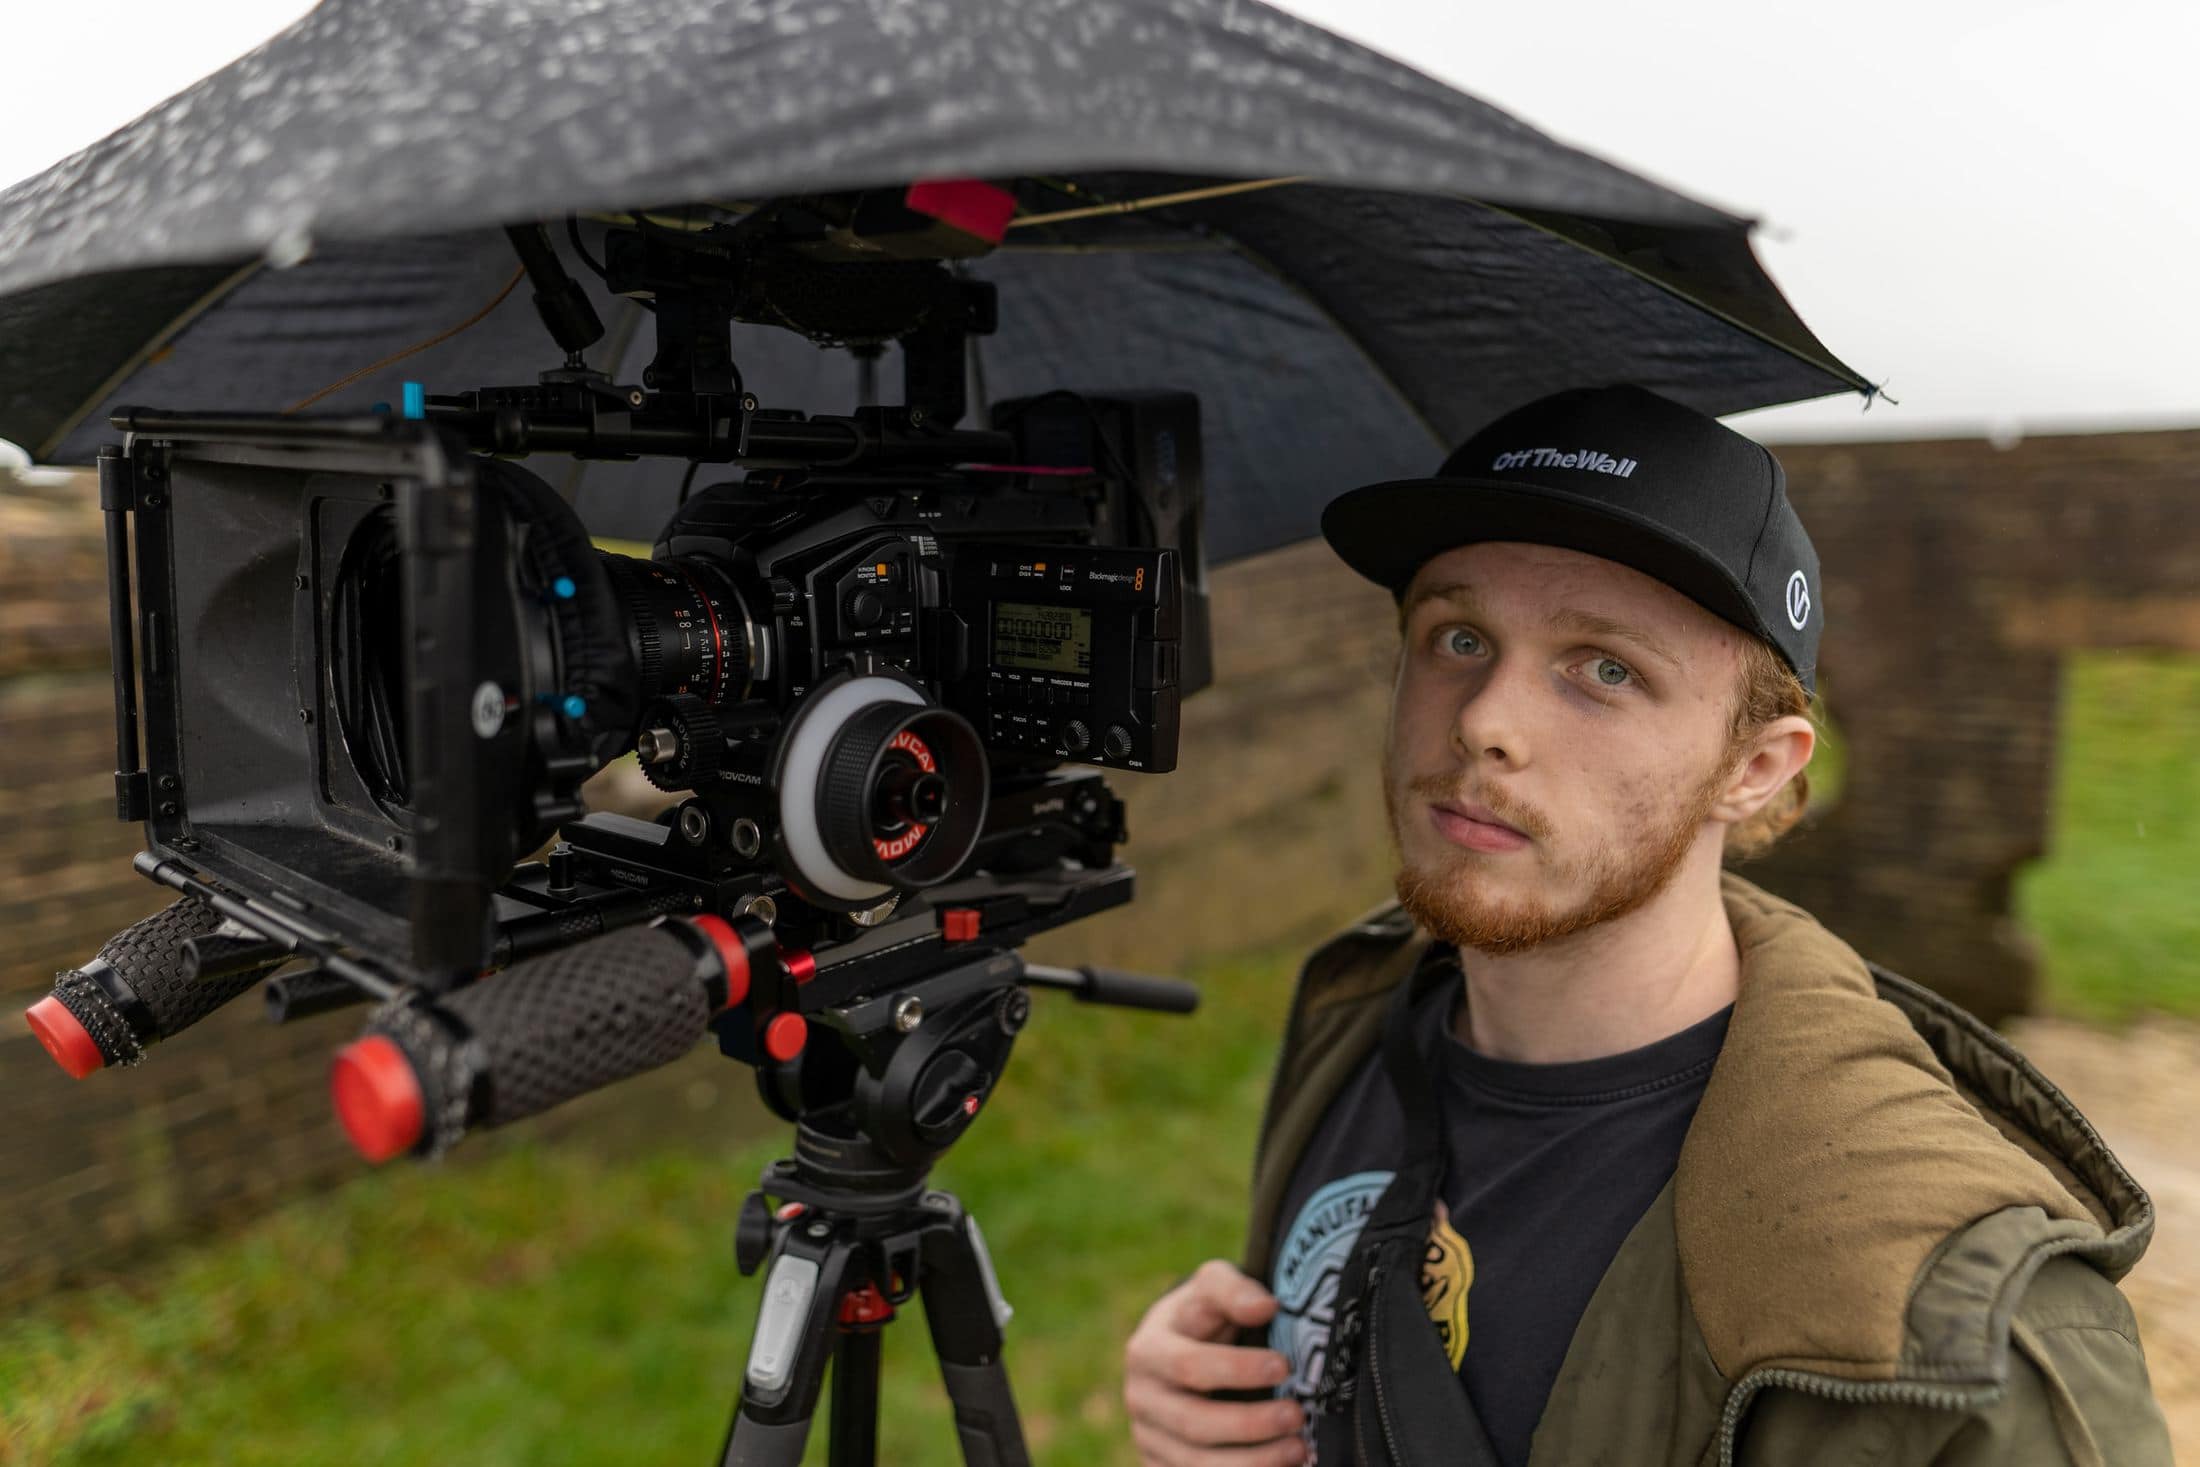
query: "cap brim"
1388, 531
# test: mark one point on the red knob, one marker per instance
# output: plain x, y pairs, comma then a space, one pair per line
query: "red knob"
785, 1035
377, 1097
70, 1044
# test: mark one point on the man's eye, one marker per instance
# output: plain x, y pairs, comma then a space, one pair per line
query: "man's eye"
1458, 641
1611, 672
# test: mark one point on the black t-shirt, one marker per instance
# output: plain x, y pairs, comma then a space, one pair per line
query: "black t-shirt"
1548, 1168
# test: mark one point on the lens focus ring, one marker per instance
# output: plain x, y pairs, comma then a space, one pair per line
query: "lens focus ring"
690, 630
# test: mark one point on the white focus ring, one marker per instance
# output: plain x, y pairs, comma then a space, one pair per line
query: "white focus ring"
817, 723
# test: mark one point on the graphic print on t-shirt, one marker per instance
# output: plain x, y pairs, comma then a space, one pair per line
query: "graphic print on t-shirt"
1311, 1261
1447, 1272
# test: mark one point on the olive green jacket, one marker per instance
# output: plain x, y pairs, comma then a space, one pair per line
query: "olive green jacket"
1888, 1239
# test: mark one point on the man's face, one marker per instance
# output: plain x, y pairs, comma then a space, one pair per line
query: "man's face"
1559, 734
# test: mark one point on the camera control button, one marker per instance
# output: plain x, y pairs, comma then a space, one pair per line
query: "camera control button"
866, 608
1116, 742
1076, 738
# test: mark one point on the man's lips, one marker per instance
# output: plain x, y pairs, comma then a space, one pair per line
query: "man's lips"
1466, 824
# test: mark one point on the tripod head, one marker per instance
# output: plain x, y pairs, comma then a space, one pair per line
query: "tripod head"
914, 1065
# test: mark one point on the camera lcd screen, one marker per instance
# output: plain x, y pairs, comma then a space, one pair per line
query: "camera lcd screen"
1042, 638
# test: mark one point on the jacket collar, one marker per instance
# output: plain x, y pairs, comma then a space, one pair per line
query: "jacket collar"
1871, 1171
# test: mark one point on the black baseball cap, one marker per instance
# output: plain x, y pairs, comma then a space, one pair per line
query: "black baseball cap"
1616, 472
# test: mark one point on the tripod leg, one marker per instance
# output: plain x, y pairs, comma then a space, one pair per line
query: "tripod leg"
963, 1306
854, 1440
796, 1325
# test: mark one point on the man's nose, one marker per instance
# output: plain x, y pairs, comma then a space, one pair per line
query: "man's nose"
1494, 716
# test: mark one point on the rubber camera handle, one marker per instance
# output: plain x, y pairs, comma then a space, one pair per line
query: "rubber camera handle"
138, 991
579, 1019
537, 1034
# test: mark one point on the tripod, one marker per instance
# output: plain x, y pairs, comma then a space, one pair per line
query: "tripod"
854, 1238
857, 1233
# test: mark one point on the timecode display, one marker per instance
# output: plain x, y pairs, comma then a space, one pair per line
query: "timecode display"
1042, 638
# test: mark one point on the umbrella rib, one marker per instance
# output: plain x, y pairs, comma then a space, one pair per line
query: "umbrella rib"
1154, 201
154, 344
1831, 365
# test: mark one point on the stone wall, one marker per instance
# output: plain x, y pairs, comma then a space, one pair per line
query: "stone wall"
1957, 575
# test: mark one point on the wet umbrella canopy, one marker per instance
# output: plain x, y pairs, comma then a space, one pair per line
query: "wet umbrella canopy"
1409, 263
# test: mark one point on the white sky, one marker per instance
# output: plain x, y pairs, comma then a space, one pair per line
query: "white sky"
1990, 205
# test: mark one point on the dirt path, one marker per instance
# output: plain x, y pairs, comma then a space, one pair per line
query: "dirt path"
2141, 1089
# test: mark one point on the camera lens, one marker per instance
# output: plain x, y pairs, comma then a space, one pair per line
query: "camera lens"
520, 663
366, 659
689, 627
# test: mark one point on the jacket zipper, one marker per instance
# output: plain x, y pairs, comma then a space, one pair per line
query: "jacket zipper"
1847, 1392
1372, 1334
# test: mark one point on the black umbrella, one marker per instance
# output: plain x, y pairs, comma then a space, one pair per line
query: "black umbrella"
1352, 264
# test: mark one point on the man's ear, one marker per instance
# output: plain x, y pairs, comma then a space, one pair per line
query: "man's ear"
1772, 757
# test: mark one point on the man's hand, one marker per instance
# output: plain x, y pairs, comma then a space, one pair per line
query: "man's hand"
1176, 1356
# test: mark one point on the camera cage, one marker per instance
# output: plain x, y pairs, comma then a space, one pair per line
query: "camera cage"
427, 894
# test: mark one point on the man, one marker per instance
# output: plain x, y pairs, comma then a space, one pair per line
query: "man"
1584, 1151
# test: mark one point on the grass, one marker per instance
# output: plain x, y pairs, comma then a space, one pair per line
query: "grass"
548, 1307
2116, 906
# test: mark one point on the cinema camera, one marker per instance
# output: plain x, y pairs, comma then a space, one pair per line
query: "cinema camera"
886, 667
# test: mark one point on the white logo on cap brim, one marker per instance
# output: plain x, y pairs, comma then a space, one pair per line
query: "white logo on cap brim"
1798, 599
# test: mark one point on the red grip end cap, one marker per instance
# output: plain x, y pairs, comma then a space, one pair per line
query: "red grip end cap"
377, 1097
731, 953
71, 1045
785, 1035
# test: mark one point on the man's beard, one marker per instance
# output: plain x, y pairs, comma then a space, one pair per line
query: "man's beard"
1453, 903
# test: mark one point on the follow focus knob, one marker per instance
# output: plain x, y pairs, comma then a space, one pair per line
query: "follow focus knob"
681, 744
